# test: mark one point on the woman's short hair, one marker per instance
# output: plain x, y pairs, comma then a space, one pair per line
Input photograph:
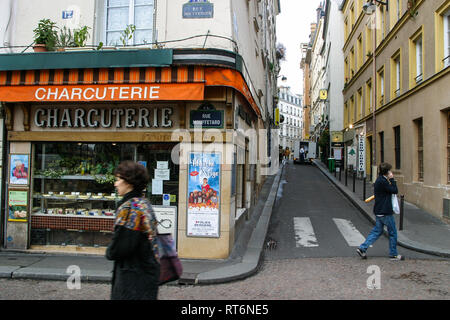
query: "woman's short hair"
384, 168
133, 173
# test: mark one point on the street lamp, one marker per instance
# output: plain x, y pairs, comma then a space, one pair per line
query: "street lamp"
370, 8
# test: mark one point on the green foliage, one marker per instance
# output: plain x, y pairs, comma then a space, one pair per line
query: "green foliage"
65, 38
127, 34
80, 36
46, 33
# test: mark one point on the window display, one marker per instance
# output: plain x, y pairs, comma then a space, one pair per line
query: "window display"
73, 186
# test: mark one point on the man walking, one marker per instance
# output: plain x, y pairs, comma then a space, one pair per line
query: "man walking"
385, 186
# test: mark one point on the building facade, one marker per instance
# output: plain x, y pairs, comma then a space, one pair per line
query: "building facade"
189, 95
396, 71
290, 106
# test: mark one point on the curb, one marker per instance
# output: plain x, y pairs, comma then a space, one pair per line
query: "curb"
402, 240
252, 258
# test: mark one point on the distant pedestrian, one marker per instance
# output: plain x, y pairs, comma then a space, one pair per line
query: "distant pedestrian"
136, 269
385, 186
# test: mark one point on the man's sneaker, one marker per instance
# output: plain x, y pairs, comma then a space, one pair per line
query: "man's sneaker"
397, 257
361, 253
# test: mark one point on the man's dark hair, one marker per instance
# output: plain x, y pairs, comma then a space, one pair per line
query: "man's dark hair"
384, 168
133, 173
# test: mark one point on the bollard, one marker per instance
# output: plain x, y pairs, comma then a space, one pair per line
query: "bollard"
402, 202
340, 174
354, 178
346, 173
364, 188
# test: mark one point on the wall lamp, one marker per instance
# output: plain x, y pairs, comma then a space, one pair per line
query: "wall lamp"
370, 7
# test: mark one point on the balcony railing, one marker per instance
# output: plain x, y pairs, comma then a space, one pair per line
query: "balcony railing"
419, 78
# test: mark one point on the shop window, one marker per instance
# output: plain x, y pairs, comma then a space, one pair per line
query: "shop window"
74, 198
448, 147
121, 13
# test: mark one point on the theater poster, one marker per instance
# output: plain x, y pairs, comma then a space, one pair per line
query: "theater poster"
203, 216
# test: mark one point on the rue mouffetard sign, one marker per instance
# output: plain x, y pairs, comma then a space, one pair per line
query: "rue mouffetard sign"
198, 9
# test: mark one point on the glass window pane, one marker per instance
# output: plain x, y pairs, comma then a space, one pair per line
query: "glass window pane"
117, 19
143, 17
143, 2
143, 36
113, 38
115, 3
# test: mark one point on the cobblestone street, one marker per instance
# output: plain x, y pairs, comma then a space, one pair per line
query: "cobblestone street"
316, 279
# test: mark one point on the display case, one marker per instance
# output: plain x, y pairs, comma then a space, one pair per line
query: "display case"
73, 194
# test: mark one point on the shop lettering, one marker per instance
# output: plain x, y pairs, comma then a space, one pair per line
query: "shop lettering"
103, 93
103, 118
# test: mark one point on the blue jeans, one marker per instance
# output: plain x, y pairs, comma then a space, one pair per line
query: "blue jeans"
377, 231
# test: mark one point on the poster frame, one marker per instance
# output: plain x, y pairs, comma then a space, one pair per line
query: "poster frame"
12, 157
219, 202
26, 191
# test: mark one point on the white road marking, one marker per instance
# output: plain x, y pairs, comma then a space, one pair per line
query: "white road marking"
304, 233
353, 237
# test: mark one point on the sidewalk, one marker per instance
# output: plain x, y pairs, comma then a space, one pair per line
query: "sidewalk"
244, 259
421, 231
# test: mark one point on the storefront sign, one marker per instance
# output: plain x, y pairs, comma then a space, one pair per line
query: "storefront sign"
19, 169
198, 9
362, 154
203, 216
351, 156
142, 117
119, 92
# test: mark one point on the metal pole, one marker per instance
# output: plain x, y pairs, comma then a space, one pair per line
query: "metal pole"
340, 173
346, 173
354, 179
364, 188
402, 202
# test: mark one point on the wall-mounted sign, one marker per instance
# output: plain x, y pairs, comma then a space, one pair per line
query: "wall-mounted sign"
362, 154
207, 116
245, 116
203, 216
142, 117
17, 205
19, 169
167, 218
323, 94
198, 9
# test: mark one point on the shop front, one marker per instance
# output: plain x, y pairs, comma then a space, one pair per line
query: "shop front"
68, 129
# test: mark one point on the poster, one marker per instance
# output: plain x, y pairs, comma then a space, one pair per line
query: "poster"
157, 186
18, 169
203, 194
17, 205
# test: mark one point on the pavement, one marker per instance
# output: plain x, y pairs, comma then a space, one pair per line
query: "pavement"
422, 232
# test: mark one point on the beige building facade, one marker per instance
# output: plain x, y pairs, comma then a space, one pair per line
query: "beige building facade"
408, 86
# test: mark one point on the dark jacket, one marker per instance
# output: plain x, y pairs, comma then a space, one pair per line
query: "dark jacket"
383, 190
136, 270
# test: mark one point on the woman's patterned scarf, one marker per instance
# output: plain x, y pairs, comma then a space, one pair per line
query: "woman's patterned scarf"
136, 214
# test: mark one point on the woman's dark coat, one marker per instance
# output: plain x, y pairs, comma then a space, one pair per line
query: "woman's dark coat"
136, 270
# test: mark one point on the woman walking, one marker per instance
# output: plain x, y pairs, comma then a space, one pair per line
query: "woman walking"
136, 268
385, 186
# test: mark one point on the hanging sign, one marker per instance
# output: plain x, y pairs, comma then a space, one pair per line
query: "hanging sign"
203, 216
362, 154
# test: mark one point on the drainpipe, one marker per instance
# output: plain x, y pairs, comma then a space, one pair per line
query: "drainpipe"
11, 7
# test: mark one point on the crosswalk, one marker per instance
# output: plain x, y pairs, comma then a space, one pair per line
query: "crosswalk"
305, 236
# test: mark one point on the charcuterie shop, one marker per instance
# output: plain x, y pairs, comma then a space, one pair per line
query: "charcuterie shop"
70, 123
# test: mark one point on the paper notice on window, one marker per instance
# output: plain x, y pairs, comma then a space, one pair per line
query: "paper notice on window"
162, 174
162, 164
157, 186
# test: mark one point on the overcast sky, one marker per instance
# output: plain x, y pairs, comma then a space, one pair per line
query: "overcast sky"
293, 28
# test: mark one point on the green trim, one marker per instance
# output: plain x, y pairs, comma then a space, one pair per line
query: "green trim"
87, 59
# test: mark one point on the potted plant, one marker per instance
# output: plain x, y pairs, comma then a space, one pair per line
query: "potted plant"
45, 36
80, 36
65, 39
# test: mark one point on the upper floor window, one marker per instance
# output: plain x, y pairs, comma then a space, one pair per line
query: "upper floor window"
121, 13
416, 58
